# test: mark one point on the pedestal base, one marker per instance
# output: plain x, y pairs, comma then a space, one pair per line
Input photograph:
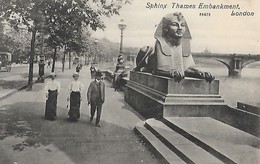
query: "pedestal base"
157, 96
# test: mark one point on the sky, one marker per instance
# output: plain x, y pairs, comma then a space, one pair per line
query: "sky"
220, 32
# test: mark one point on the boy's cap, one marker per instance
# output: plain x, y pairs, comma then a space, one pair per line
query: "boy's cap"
98, 74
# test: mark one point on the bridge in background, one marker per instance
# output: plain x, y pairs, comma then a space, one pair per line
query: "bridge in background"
234, 62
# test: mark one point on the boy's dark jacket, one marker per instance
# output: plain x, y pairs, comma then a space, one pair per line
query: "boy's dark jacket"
93, 91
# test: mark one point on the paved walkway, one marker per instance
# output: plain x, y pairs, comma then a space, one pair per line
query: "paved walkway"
26, 138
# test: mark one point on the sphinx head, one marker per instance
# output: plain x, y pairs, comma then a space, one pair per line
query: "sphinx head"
174, 26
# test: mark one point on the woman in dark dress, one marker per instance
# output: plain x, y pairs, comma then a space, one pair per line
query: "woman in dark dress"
75, 92
52, 89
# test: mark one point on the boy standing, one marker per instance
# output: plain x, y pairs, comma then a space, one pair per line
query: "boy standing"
96, 97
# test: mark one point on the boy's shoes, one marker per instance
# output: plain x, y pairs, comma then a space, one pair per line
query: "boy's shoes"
98, 125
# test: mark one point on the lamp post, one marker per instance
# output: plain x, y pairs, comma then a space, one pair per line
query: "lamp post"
120, 68
121, 26
120, 59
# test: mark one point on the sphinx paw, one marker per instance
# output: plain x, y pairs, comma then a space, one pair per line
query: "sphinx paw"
208, 77
178, 76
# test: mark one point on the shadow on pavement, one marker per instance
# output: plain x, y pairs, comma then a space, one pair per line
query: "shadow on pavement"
14, 84
82, 141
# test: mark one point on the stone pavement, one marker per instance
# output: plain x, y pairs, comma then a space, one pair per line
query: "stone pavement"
26, 138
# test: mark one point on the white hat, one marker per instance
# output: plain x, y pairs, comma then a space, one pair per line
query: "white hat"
75, 74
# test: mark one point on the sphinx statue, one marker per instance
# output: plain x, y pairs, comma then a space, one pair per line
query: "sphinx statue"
171, 56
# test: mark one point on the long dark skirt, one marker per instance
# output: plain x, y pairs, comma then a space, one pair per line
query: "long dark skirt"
74, 112
51, 105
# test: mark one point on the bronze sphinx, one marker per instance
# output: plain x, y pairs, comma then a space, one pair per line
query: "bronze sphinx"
171, 56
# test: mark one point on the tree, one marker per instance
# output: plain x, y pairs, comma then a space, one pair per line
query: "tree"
67, 19
16, 43
28, 13
33, 13
10, 43
1, 27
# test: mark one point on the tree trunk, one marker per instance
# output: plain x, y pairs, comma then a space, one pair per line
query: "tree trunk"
54, 59
69, 60
85, 58
63, 60
30, 78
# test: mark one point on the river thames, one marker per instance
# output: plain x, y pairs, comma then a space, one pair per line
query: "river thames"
238, 89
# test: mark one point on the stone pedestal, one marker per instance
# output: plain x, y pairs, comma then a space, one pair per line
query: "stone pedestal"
157, 96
